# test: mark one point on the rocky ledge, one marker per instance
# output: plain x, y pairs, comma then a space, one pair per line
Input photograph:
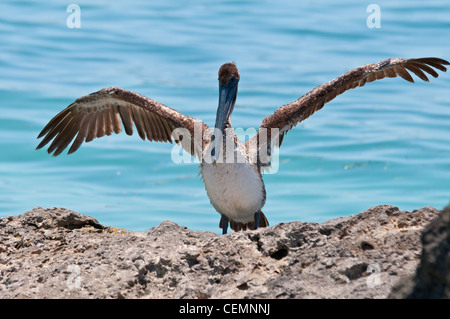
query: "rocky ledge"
58, 253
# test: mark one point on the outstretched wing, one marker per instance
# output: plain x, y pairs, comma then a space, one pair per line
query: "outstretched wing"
287, 116
101, 113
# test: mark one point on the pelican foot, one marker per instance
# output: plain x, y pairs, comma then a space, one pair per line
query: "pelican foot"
257, 215
224, 224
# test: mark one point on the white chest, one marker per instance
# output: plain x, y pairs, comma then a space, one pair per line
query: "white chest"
236, 190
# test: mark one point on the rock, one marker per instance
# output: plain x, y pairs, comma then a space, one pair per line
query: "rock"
57, 253
432, 278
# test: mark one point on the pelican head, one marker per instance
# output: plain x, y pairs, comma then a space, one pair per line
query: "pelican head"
228, 87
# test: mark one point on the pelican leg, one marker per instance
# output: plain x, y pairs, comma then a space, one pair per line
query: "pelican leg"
224, 223
257, 215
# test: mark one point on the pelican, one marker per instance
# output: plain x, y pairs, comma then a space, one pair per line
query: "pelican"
232, 174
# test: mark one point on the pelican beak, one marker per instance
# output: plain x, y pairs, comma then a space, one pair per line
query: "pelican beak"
227, 99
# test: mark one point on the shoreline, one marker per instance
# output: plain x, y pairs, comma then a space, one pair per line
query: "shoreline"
57, 253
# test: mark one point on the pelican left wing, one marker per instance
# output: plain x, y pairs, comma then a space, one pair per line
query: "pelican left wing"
101, 113
287, 116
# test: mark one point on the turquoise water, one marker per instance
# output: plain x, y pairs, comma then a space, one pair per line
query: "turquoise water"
386, 143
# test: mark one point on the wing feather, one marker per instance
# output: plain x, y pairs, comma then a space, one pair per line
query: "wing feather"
62, 119
108, 121
101, 128
156, 129
72, 130
400, 70
127, 121
103, 112
137, 118
288, 116
92, 133
147, 126
84, 128
117, 127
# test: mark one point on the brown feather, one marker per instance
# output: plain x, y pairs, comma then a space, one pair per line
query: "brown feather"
164, 135
101, 125
362, 82
82, 133
108, 121
53, 130
403, 73
68, 135
434, 62
153, 127
425, 68
116, 119
158, 128
147, 126
372, 77
416, 71
390, 73
136, 115
380, 75
167, 130
55, 120
287, 116
103, 112
92, 133
61, 135
126, 119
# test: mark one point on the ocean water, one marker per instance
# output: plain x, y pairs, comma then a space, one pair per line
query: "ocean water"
385, 143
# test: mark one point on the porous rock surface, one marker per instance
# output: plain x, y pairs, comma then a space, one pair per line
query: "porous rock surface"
58, 253
432, 277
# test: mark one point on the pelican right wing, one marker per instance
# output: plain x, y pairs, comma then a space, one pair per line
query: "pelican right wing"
101, 113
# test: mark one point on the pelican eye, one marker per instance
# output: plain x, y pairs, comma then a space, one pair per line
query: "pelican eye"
232, 79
